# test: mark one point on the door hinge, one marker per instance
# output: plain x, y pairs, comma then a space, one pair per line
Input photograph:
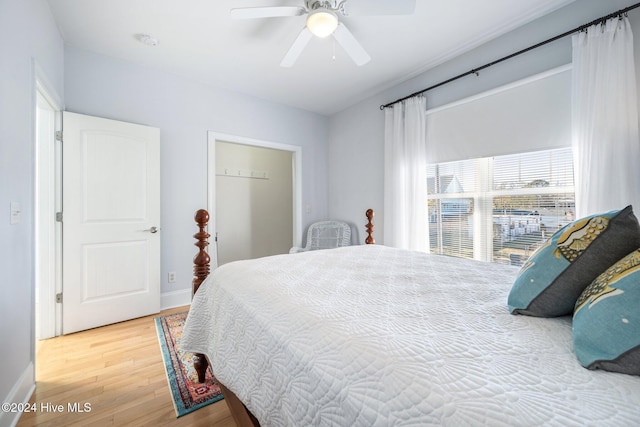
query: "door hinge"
59, 298
59, 135
58, 216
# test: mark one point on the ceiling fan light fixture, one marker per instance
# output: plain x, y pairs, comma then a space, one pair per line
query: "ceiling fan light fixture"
322, 22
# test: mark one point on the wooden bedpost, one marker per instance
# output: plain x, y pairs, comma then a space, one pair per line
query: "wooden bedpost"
201, 260
369, 240
200, 272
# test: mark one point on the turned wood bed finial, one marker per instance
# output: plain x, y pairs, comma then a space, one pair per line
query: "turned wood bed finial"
369, 240
201, 260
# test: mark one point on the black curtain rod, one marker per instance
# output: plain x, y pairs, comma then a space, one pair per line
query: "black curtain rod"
535, 46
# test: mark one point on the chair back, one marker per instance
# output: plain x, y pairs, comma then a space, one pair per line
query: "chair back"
326, 235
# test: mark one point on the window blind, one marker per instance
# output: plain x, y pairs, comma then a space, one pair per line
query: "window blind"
529, 115
499, 208
451, 189
532, 197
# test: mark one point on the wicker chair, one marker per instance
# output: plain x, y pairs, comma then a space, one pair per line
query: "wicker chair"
326, 235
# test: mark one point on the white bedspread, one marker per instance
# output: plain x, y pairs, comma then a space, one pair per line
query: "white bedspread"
374, 336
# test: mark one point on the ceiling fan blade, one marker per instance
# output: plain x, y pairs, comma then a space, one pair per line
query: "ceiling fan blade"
351, 45
267, 12
379, 7
296, 48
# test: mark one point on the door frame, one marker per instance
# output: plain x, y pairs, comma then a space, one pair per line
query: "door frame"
295, 150
49, 313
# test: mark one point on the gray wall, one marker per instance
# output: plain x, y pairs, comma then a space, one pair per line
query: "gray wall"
356, 135
27, 31
184, 111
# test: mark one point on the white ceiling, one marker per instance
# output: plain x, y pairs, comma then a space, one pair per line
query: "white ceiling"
199, 40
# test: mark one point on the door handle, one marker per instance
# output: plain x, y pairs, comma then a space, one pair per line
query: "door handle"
153, 230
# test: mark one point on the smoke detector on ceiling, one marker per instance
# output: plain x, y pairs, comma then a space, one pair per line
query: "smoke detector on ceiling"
147, 39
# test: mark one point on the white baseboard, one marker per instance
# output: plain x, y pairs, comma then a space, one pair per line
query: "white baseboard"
20, 393
175, 299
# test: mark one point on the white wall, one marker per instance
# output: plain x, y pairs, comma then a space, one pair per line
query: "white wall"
27, 32
185, 110
255, 215
356, 135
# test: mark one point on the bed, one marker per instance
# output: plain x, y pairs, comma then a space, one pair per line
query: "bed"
369, 335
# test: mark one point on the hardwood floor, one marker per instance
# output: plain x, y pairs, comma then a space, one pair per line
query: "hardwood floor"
118, 371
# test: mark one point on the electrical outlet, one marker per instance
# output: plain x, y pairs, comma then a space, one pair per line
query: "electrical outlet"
172, 277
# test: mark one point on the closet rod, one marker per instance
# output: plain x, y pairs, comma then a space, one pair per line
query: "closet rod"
535, 46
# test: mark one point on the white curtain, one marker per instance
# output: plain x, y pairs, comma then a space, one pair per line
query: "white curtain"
405, 176
605, 119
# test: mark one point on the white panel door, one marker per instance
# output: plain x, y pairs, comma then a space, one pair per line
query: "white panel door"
111, 221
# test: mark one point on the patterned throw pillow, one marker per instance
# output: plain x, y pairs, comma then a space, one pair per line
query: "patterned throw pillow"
606, 321
553, 278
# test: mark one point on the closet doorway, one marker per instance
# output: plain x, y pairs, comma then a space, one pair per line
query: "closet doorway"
254, 197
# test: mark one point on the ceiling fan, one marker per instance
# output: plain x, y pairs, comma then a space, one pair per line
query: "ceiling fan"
323, 20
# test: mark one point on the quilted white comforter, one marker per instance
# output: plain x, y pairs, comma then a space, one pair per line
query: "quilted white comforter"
374, 336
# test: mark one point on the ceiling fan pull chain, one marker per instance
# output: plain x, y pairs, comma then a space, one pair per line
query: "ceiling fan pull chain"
334, 49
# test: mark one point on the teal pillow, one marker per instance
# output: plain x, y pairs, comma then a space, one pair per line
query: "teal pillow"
553, 278
606, 321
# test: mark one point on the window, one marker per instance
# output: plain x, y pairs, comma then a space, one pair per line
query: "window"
499, 208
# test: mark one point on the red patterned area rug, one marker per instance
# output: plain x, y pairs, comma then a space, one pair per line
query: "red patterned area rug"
188, 394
